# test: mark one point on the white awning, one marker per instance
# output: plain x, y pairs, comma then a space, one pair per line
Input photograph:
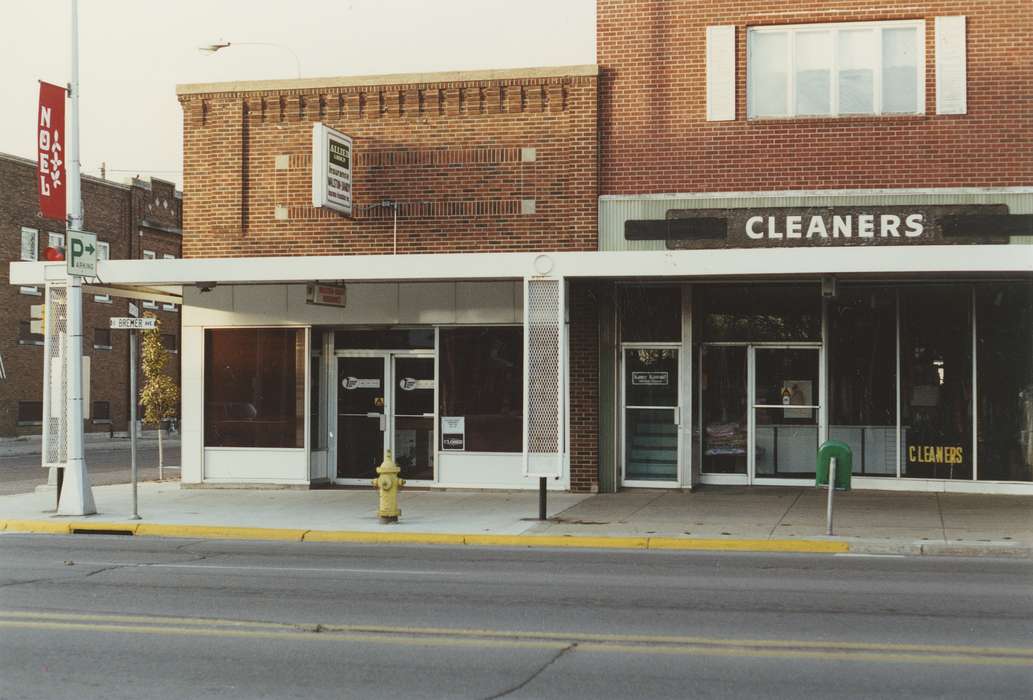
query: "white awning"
164, 276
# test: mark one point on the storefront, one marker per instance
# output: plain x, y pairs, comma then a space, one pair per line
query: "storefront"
923, 365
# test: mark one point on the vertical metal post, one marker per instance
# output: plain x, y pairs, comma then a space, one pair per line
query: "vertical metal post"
832, 488
542, 514
76, 496
132, 419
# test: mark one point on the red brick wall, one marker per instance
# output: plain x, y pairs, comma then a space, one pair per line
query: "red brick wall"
449, 153
655, 137
117, 214
584, 388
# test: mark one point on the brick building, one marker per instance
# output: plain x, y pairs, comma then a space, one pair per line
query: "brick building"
136, 220
753, 227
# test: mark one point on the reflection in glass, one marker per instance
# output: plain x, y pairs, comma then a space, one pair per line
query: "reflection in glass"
936, 381
863, 376
723, 410
1004, 322
360, 411
769, 74
787, 436
760, 312
813, 72
651, 445
414, 416
482, 379
650, 314
254, 387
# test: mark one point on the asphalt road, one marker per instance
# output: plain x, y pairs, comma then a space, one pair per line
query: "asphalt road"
118, 617
23, 473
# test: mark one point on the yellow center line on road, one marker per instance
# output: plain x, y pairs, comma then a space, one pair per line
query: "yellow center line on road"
458, 637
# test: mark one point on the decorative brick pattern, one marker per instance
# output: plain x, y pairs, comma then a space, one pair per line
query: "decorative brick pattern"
449, 153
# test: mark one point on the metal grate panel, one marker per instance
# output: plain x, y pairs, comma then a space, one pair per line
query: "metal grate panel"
543, 353
55, 388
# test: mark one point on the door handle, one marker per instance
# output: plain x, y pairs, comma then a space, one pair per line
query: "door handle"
374, 414
677, 415
383, 422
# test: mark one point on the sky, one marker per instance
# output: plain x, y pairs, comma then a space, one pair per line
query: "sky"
132, 53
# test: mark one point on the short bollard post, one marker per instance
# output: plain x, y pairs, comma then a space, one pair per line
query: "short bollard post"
832, 490
388, 483
834, 467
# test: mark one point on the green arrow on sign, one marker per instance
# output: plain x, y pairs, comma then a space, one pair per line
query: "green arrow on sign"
89, 249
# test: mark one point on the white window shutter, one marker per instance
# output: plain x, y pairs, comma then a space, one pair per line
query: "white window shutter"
951, 81
721, 73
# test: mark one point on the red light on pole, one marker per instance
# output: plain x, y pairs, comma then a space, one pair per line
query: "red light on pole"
54, 254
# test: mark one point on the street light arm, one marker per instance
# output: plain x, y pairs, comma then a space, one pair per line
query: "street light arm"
212, 48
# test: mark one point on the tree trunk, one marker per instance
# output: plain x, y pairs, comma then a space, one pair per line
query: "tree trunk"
161, 456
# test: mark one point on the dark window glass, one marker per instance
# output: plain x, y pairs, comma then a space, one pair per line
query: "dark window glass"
386, 339
26, 336
482, 377
1004, 359
102, 338
862, 351
170, 342
316, 401
723, 417
30, 411
650, 314
936, 381
759, 312
254, 387
101, 411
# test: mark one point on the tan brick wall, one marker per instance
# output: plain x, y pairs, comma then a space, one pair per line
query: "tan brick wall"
655, 137
449, 153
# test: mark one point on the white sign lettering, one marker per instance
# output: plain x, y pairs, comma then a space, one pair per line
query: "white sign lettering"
796, 227
352, 383
129, 323
649, 378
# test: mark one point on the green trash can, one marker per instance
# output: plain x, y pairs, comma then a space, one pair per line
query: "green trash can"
844, 464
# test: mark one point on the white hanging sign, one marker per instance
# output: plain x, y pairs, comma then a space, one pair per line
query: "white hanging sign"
331, 169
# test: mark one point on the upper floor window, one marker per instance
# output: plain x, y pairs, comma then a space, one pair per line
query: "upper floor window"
854, 68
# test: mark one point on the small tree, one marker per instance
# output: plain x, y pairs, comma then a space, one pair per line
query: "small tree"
160, 394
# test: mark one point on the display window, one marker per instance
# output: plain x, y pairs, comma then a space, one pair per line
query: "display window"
254, 387
482, 380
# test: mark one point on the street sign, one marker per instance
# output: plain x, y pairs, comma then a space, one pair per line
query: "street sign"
134, 310
82, 254
128, 323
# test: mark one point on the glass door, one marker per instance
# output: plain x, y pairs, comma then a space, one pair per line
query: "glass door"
413, 416
651, 414
361, 415
785, 412
724, 412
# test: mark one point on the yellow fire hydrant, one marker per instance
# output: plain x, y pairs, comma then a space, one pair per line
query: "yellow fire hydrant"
388, 483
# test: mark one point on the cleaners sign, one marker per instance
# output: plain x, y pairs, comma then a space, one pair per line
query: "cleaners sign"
331, 169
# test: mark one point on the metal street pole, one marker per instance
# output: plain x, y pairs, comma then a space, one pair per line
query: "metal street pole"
132, 418
76, 494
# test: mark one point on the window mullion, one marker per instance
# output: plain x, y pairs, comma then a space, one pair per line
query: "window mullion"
791, 76
877, 74
834, 74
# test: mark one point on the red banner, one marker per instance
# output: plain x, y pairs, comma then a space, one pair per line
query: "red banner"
50, 145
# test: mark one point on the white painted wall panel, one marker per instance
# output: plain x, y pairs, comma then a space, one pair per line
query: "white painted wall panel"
256, 465
426, 302
489, 470
191, 424
485, 302
261, 300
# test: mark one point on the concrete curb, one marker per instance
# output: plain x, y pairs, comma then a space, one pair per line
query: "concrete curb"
799, 546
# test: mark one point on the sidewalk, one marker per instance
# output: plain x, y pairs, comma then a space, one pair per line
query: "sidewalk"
716, 518
32, 444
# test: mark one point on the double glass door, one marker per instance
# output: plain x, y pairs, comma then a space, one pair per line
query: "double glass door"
385, 401
760, 417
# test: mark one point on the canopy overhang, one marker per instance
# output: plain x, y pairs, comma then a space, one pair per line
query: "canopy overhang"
167, 277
